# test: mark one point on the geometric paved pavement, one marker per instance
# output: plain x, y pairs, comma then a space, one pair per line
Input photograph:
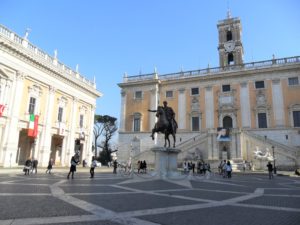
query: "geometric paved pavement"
143, 200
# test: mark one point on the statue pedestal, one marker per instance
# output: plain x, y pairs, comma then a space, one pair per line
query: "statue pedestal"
166, 161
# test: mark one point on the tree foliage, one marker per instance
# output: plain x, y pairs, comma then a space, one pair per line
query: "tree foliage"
105, 126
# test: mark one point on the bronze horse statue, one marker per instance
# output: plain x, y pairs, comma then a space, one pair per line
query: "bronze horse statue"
164, 126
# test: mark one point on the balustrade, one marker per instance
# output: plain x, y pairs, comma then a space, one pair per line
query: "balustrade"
6, 33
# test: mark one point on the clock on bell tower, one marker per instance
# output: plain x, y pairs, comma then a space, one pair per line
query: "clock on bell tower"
230, 45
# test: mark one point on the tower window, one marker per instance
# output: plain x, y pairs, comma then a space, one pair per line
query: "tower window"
137, 122
229, 36
138, 95
194, 91
226, 88
259, 84
60, 114
230, 59
169, 94
32, 103
81, 121
262, 120
293, 81
296, 118
227, 122
195, 123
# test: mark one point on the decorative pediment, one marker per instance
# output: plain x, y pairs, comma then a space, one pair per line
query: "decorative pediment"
35, 90
62, 101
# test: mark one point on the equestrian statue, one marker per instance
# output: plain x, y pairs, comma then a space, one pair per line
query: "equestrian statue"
166, 123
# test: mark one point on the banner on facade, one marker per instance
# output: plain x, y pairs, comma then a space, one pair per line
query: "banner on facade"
33, 125
223, 134
2, 107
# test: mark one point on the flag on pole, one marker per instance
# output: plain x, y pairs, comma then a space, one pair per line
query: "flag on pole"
1, 109
33, 125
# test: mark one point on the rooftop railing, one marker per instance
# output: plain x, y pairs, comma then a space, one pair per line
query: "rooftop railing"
51, 61
216, 70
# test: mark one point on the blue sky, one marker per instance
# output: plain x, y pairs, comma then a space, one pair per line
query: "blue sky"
109, 38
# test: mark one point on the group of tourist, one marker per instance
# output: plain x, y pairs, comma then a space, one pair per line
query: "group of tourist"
142, 166
30, 166
202, 167
225, 169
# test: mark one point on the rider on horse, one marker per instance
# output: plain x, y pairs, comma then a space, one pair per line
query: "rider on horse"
170, 115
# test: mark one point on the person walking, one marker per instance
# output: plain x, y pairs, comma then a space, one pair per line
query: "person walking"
34, 165
27, 166
74, 163
270, 170
228, 169
115, 164
50, 165
93, 166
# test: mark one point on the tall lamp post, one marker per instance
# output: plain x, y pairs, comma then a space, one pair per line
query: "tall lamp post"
274, 159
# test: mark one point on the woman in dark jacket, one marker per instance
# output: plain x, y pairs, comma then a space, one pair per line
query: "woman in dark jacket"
74, 162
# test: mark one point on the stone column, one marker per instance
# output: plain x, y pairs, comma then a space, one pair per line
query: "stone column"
11, 132
45, 146
63, 151
278, 107
209, 107
123, 111
181, 109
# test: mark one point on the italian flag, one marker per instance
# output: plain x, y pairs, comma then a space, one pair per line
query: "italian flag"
33, 125
2, 107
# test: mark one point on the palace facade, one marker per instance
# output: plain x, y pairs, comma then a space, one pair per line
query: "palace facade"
46, 109
257, 102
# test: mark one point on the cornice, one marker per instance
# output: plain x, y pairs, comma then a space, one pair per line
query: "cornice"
28, 57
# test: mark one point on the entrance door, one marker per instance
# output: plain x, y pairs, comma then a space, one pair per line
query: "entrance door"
227, 122
25, 147
56, 149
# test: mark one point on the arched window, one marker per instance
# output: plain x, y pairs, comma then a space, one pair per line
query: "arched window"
228, 35
230, 59
227, 122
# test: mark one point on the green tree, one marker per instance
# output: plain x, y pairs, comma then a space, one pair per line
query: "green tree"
105, 126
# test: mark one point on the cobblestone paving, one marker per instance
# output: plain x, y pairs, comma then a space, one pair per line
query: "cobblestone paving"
146, 200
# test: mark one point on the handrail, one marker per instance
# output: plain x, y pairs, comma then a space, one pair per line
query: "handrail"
272, 142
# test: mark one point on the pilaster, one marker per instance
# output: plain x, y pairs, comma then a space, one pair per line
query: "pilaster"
45, 146
11, 132
181, 109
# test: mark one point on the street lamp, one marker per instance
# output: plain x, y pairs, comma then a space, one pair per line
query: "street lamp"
274, 159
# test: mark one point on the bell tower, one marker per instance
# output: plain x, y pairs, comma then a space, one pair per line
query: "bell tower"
230, 45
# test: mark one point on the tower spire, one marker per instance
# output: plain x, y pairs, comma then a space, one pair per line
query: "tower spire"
228, 10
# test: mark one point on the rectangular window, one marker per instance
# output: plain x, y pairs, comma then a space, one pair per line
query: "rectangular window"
259, 84
226, 88
32, 103
60, 114
81, 121
293, 81
138, 95
136, 125
296, 118
169, 94
262, 120
194, 91
195, 123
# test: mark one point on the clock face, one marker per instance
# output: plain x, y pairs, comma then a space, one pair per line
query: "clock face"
229, 46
